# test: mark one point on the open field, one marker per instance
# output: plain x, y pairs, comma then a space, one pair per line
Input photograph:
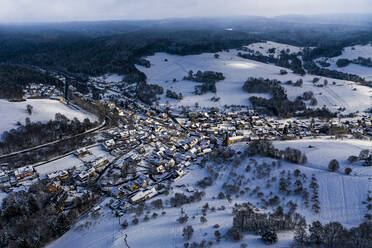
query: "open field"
43, 111
349, 95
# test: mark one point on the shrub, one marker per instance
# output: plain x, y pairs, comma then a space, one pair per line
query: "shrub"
342, 62
188, 232
183, 219
352, 159
269, 237
124, 225
333, 165
135, 221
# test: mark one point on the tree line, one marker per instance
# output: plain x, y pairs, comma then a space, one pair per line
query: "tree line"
36, 133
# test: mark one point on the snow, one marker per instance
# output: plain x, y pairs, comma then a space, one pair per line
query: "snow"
263, 47
340, 196
43, 110
322, 151
59, 164
354, 52
71, 161
351, 53
237, 70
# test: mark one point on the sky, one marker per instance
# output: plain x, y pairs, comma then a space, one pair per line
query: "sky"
93, 10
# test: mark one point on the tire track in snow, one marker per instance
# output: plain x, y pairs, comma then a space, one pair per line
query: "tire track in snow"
326, 100
336, 96
344, 209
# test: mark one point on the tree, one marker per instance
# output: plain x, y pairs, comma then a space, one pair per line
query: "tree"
299, 83
300, 235
352, 159
313, 101
27, 121
235, 234
124, 225
218, 235
282, 185
334, 235
348, 171
62, 224
29, 109
157, 203
135, 221
269, 237
342, 62
183, 219
316, 233
364, 154
188, 232
203, 219
299, 188
333, 165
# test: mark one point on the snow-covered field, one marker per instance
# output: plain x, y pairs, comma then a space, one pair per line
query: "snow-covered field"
340, 197
354, 52
237, 70
60, 164
321, 151
263, 48
351, 53
71, 161
43, 110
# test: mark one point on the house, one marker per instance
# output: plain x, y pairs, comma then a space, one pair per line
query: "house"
160, 169
115, 192
23, 172
143, 195
3, 177
100, 162
109, 144
207, 150
54, 186
84, 175
132, 186
116, 152
63, 174
13, 181
143, 181
179, 173
52, 175
82, 152
234, 139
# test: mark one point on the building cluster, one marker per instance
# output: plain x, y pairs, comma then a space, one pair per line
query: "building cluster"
11, 178
41, 90
152, 146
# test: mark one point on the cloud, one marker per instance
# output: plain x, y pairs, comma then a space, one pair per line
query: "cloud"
70, 10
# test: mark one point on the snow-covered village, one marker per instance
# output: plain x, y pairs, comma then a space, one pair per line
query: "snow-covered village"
187, 133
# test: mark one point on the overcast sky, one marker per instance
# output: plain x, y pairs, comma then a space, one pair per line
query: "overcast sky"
75, 10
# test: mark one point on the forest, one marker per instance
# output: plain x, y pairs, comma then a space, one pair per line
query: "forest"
14, 78
279, 104
92, 49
